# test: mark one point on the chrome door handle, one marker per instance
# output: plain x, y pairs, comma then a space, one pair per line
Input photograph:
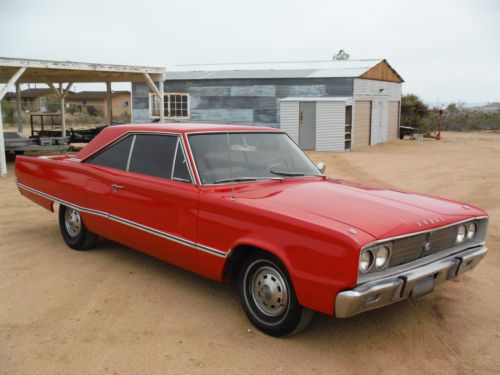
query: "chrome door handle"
115, 186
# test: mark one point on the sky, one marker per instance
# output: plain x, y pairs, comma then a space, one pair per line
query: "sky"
445, 50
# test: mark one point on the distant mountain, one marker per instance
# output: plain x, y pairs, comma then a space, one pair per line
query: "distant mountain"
489, 107
477, 106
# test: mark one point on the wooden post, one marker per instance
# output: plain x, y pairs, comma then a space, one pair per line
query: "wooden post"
162, 102
109, 103
19, 113
3, 91
62, 94
3, 162
63, 111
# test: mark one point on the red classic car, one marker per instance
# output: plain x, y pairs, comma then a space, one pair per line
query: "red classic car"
244, 203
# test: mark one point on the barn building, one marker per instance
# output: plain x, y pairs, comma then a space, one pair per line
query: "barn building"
322, 105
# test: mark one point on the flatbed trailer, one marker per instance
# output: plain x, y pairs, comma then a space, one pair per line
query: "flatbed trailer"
18, 143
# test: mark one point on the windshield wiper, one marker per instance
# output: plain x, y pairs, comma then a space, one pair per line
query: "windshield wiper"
236, 179
284, 173
243, 179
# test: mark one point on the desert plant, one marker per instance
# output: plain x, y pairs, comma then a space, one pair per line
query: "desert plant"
414, 113
8, 112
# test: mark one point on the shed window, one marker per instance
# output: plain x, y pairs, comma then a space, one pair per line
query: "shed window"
176, 105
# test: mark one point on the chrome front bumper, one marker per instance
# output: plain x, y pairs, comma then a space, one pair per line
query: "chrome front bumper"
412, 283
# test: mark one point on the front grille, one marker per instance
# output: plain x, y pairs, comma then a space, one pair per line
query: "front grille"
411, 248
443, 239
407, 249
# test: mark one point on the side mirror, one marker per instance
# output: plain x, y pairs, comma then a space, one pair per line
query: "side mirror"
321, 167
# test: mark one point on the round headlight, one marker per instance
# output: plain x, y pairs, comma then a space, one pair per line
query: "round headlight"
365, 261
382, 257
462, 232
471, 231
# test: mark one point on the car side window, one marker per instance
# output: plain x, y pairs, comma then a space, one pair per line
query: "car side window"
115, 156
153, 155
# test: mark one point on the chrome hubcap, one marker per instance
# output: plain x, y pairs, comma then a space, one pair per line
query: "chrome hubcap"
73, 222
269, 291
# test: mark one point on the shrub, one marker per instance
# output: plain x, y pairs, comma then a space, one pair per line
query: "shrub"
9, 112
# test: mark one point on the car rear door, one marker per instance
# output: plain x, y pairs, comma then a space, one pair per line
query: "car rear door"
151, 200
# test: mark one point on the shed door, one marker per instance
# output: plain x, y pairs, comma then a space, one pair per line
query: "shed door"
362, 120
379, 123
307, 126
393, 120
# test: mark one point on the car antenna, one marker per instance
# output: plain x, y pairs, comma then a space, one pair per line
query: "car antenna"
230, 166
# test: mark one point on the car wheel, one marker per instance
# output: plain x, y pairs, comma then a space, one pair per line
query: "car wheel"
73, 229
268, 297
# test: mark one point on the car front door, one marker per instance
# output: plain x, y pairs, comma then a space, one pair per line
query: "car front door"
151, 200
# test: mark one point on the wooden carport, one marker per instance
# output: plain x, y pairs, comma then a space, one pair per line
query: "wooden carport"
60, 76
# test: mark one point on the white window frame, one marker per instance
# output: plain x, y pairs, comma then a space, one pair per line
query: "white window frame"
167, 101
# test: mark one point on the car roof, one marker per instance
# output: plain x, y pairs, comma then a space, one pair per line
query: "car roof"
189, 127
112, 133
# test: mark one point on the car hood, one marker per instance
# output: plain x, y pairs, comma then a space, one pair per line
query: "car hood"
377, 211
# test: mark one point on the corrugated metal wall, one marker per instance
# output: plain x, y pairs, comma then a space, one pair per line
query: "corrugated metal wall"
330, 123
330, 126
240, 101
289, 119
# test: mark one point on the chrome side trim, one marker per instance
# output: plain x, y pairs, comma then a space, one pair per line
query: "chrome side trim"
145, 228
130, 151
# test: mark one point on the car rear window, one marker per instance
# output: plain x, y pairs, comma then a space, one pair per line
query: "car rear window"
114, 156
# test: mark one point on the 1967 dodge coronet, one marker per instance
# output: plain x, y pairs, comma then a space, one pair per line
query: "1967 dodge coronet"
244, 203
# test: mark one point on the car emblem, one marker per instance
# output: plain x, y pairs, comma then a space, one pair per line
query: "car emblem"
427, 244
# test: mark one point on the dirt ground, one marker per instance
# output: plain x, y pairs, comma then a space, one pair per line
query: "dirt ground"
114, 310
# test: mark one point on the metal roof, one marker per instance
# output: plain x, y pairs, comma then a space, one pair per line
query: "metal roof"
299, 69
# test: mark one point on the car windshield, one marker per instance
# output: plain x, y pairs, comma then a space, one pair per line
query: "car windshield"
236, 157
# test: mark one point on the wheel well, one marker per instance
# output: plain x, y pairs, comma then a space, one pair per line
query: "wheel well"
237, 258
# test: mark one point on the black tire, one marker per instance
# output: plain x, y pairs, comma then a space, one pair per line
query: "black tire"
77, 237
268, 298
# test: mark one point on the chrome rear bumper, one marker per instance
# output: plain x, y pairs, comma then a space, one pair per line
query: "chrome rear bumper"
411, 283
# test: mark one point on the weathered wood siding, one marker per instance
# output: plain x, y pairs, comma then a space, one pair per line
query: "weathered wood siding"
240, 101
362, 120
393, 127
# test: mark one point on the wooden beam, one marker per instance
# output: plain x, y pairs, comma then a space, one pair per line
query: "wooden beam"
50, 84
11, 82
109, 100
77, 66
151, 84
162, 102
66, 91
